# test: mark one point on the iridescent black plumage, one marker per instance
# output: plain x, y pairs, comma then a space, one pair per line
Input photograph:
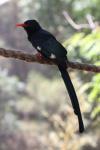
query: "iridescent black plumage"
49, 47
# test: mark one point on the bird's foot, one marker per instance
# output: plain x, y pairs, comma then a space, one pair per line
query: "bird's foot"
39, 56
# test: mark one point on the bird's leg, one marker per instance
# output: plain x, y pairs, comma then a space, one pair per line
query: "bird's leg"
39, 56
43, 60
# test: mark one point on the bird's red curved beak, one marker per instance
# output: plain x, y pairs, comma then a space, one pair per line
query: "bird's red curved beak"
21, 25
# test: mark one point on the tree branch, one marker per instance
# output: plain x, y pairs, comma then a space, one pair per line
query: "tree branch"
33, 58
72, 23
90, 25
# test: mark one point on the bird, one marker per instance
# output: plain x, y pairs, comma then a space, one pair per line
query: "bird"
49, 47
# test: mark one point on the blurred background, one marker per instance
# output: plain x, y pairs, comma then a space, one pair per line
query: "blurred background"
35, 110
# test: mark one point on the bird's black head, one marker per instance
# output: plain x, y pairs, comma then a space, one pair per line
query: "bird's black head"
31, 26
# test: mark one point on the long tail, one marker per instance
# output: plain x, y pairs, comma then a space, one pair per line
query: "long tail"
73, 97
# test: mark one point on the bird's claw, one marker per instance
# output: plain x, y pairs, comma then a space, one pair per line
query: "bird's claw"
39, 56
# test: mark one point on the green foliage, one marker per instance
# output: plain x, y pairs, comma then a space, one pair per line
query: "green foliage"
82, 8
94, 95
86, 48
95, 89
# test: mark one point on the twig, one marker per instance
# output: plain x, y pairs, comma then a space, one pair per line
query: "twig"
90, 21
90, 25
73, 24
33, 58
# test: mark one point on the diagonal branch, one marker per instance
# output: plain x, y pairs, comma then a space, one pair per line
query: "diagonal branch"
72, 23
90, 25
33, 58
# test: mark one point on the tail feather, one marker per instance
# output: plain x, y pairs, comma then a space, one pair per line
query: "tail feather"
73, 97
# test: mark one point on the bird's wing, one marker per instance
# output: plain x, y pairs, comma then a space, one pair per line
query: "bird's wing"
53, 48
